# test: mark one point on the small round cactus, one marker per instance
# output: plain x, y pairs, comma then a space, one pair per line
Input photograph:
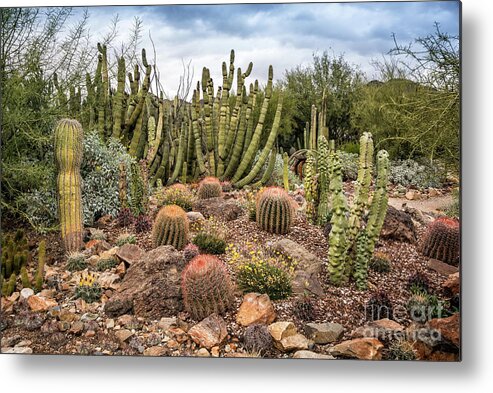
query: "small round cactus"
274, 210
442, 241
257, 338
209, 187
170, 227
206, 287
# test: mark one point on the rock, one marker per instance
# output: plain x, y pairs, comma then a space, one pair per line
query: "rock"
383, 329
324, 333
451, 286
280, 330
109, 280
77, 327
18, 350
123, 335
203, 353
359, 348
10, 341
256, 308
195, 217
304, 354
209, 332
166, 323
215, 352
151, 286
449, 329
307, 266
66, 315
412, 195
155, 351
24, 343
130, 253
26, 293
432, 192
398, 226
293, 343
37, 303
225, 210
110, 323
441, 267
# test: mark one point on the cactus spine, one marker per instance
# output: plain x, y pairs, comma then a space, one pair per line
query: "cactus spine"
274, 211
170, 227
68, 154
206, 287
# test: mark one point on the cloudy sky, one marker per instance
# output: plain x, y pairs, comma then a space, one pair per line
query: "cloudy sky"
283, 35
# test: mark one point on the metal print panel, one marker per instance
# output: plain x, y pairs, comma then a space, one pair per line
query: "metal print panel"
237, 180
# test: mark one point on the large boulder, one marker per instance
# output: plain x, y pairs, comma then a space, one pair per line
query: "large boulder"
398, 226
226, 210
324, 333
130, 253
151, 287
307, 266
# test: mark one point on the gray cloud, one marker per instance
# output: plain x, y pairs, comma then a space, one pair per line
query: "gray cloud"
283, 35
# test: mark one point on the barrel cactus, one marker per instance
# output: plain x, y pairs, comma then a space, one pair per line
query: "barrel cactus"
209, 187
68, 154
206, 287
274, 210
258, 339
170, 227
442, 240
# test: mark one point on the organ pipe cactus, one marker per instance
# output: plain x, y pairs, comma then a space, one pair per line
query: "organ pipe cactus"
68, 155
206, 287
274, 211
170, 227
269, 170
310, 185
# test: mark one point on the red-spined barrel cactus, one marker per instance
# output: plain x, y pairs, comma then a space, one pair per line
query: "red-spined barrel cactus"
274, 210
206, 287
442, 241
170, 227
68, 156
209, 187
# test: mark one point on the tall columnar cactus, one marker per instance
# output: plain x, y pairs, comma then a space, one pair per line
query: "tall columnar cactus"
285, 171
323, 180
379, 203
209, 187
442, 240
337, 236
274, 210
310, 185
170, 227
269, 170
362, 187
360, 273
68, 155
206, 287
39, 277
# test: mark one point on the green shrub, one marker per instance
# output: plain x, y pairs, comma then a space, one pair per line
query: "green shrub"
349, 165
410, 173
351, 147
454, 209
177, 194
106, 264
125, 238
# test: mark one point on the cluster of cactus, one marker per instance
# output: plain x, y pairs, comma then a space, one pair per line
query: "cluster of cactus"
206, 287
349, 240
125, 238
170, 227
106, 264
68, 155
76, 261
275, 211
380, 262
216, 134
8, 287
139, 187
209, 187
442, 240
15, 253
88, 288
257, 338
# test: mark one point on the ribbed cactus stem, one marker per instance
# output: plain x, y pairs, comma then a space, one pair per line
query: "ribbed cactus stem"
266, 150
310, 185
209, 187
360, 273
39, 277
323, 180
285, 171
170, 227
119, 100
206, 287
196, 132
274, 211
68, 155
313, 128
337, 236
267, 175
